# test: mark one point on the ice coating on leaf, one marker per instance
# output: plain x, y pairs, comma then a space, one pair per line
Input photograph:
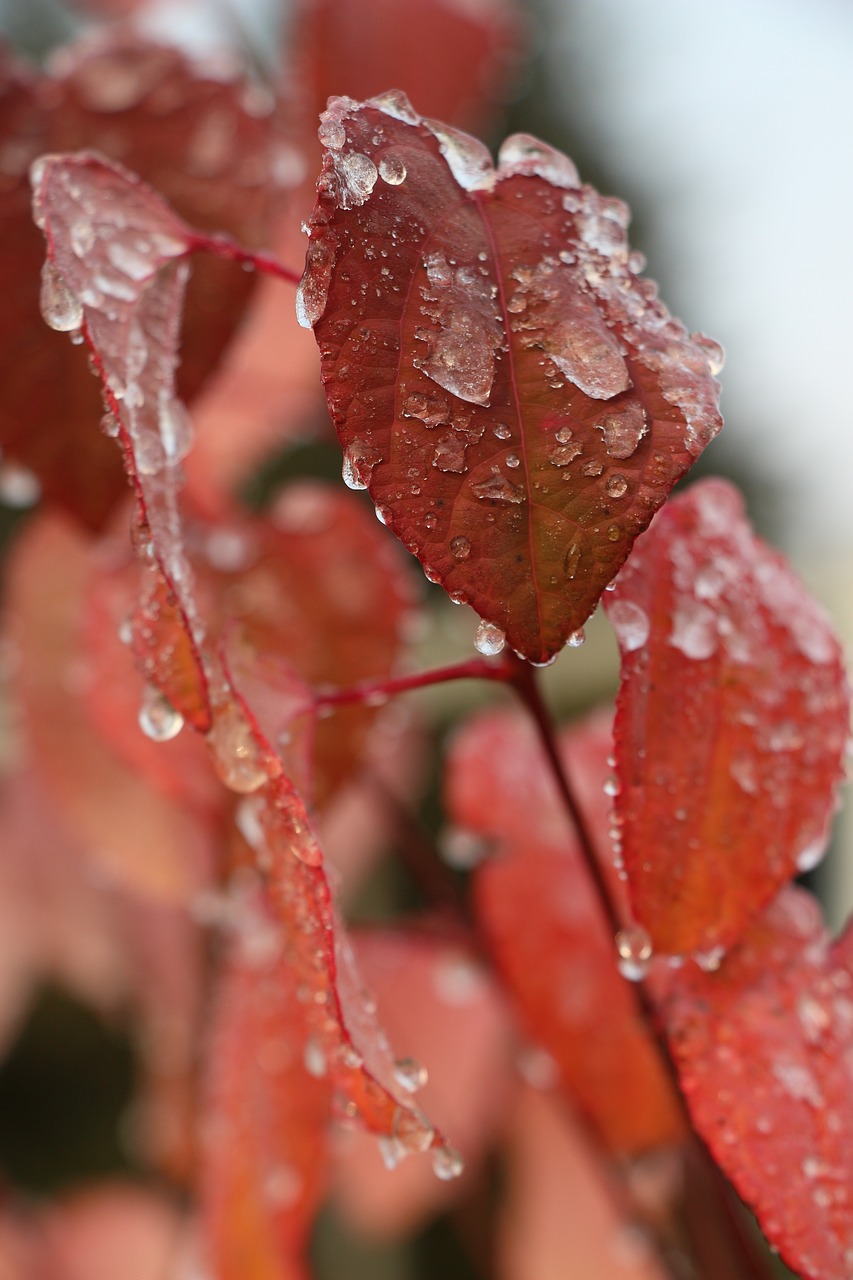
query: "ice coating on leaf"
484, 330
731, 725
764, 1050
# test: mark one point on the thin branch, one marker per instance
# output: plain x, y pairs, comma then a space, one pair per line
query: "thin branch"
224, 247
378, 691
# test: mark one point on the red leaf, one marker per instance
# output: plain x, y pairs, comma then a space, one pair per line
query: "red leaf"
731, 722
264, 1158
239, 711
191, 135
549, 935
764, 1048
471, 325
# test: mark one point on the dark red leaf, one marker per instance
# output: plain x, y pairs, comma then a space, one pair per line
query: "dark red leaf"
764, 1047
516, 400
190, 134
731, 722
241, 713
550, 937
265, 1152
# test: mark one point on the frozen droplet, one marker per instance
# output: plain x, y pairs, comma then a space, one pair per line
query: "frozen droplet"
810, 855
460, 547
630, 622
392, 170
247, 816
60, 307
410, 1075
513, 460
616, 486
489, 639
176, 429
359, 460
468, 159
314, 1058
447, 1163
561, 455
521, 153
312, 292
713, 351
82, 236
360, 174
497, 488
19, 487
450, 454
634, 950
583, 348
331, 132
575, 639
412, 1129
623, 429
237, 756
158, 719
125, 631
610, 786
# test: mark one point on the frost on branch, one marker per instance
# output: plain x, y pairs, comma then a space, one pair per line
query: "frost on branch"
509, 389
764, 1049
128, 302
731, 723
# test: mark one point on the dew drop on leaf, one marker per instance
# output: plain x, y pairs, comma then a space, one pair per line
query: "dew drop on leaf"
623, 429
410, 1075
392, 170
447, 1163
60, 307
809, 857
630, 623
237, 757
158, 719
576, 638
616, 486
360, 174
460, 547
359, 460
19, 487
489, 639
634, 952
176, 430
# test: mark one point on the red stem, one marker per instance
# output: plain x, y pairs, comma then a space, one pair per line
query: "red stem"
224, 247
373, 690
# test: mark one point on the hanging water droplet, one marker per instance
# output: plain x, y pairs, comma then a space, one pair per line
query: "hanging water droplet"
713, 352
359, 460
237, 757
158, 719
410, 1075
60, 307
634, 950
611, 787
19, 487
630, 623
447, 1163
392, 170
391, 1151
809, 857
575, 639
489, 639
412, 1129
460, 547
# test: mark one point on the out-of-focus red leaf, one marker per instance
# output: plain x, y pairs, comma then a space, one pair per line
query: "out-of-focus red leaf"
264, 1153
514, 397
200, 141
444, 1013
764, 1048
131, 834
561, 1216
241, 715
731, 722
107, 1231
453, 60
550, 937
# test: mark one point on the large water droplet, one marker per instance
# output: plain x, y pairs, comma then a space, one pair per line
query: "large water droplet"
497, 488
447, 1163
489, 639
60, 307
237, 756
410, 1075
158, 719
176, 428
809, 856
468, 159
623, 429
616, 486
19, 487
360, 174
630, 623
524, 154
634, 951
450, 454
359, 460
392, 170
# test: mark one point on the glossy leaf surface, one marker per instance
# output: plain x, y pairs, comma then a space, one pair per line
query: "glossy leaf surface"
516, 400
764, 1048
549, 936
192, 136
731, 722
240, 697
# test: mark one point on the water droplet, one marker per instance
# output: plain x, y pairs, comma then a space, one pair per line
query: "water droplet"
513, 460
614, 533
315, 1060
502, 431
391, 1151
463, 849
410, 1075
460, 547
576, 638
283, 1186
809, 856
630, 623
412, 1129
359, 460
176, 428
714, 353
331, 132
450, 454
498, 488
616, 487
572, 559
237, 756
710, 961
623, 429
430, 520
634, 950
19, 487
158, 719
694, 629
489, 639
447, 1163
392, 170
60, 308
360, 174
611, 787
524, 154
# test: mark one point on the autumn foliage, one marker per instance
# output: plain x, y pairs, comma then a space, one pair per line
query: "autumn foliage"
567, 1000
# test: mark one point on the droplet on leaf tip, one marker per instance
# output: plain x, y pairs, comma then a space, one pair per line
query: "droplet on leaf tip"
810, 856
489, 639
158, 719
447, 1163
610, 786
634, 952
61, 309
576, 638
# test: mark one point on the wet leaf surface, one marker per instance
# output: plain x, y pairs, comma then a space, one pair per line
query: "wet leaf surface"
731, 722
764, 1048
513, 395
549, 936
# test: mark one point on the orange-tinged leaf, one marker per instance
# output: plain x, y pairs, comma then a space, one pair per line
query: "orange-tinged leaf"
265, 1149
731, 722
514, 397
764, 1049
549, 935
